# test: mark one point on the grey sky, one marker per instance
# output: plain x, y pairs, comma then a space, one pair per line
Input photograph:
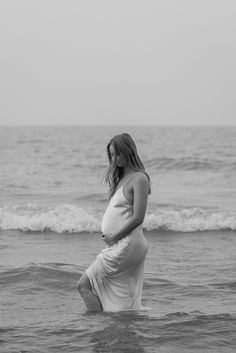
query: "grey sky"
118, 61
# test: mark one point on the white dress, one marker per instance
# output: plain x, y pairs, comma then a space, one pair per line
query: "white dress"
116, 275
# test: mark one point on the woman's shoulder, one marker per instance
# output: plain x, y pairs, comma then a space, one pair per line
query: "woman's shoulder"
138, 176
141, 175
141, 179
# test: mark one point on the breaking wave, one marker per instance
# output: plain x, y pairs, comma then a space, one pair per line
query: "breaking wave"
68, 218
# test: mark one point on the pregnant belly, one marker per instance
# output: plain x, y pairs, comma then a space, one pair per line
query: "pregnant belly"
110, 224
112, 221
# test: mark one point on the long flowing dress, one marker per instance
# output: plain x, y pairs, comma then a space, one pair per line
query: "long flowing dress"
116, 275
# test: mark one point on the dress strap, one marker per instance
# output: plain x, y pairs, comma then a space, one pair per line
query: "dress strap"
129, 179
132, 177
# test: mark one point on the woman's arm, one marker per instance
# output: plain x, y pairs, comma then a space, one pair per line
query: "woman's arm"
140, 188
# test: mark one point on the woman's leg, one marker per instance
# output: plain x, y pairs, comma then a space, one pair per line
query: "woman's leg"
92, 302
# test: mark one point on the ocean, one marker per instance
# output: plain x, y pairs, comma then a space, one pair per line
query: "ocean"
52, 198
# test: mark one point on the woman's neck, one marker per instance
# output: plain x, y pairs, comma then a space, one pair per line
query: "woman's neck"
128, 171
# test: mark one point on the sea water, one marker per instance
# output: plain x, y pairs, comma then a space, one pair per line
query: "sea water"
52, 198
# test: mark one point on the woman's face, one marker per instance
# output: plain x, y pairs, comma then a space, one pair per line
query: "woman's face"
117, 159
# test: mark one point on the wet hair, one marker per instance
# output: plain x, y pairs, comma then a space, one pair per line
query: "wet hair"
124, 146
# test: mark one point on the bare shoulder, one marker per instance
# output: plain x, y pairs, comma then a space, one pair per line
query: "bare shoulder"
141, 180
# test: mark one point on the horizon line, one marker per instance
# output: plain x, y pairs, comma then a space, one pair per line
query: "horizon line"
116, 125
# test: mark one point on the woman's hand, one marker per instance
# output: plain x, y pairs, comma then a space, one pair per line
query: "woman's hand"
109, 239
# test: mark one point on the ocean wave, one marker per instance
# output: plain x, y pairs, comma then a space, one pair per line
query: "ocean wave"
190, 220
189, 164
68, 218
38, 277
63, 218
198, 318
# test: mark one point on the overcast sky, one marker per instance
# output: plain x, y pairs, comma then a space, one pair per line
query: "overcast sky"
118, 62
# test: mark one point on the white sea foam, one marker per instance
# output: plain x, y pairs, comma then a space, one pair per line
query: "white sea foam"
62, 219
67, 218
189, 220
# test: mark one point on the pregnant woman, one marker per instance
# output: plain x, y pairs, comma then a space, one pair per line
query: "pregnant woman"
114, 281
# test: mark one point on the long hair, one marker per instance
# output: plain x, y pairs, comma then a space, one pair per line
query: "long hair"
123, 145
